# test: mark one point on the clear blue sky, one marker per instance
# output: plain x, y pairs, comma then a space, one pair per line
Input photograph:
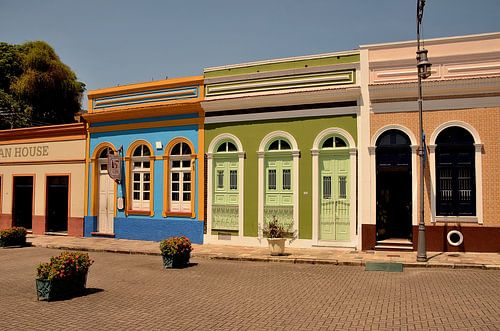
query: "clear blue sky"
116, 42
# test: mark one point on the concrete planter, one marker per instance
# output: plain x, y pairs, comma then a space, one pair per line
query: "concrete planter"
276, 246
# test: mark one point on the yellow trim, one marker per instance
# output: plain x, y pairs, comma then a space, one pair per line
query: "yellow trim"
201, 172
128, 187
94, 194
86, 180
167, 108
164, 83
147, 125
166, 166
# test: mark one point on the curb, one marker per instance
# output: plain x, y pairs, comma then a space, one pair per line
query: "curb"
295, 260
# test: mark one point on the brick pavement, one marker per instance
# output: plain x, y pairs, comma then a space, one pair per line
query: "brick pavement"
133, 292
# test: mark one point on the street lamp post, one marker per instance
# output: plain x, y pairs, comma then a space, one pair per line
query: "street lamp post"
423, 69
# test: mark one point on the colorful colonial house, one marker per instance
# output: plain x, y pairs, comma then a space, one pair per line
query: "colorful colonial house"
281, 141
154, 133
42, 179
461, 122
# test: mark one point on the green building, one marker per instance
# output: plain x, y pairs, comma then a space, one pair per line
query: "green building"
280, 139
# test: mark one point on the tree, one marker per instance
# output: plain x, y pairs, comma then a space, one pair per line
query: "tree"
40, 88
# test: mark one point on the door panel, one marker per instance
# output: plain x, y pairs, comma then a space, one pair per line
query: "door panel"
225, 209
106, 202
334, 205
278, 191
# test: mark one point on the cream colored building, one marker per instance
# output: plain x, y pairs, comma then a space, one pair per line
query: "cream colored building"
42, 178
461, 119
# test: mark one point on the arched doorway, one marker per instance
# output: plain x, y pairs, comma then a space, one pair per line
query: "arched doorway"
105, 193
334, 194
225, 188
394, 186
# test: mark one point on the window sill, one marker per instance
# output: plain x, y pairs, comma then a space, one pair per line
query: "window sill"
102, 234
456, 219
174, 214
139, 212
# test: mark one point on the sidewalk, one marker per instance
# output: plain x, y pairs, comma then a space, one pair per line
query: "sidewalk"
317, 255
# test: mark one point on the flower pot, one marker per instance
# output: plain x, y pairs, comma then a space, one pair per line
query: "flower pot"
276, 246
176, 261
61, 288
16, 242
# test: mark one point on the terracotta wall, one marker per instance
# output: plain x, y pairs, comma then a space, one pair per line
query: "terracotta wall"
487, 123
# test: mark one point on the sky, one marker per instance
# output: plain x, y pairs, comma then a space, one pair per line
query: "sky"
108, 43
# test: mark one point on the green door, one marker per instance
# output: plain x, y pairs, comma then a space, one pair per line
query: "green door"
278, 189
334, 204
225, 198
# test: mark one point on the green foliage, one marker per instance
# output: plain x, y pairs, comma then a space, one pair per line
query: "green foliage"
40, 88
66, 265
14, 236
175, 246
274, 229
10, 65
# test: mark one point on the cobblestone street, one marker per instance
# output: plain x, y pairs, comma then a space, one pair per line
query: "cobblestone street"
131, 292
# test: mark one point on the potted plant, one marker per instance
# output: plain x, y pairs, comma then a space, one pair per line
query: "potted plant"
175, 252
277, 234
15, 236
64, 276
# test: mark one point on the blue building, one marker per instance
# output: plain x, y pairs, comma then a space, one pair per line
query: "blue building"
150, 135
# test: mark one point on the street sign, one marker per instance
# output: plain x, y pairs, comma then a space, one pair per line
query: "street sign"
115, 167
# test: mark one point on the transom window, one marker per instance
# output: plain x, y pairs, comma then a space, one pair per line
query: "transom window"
279, 145
334, 142
141, 178
103, 158
181, 177
227, 147
455, 173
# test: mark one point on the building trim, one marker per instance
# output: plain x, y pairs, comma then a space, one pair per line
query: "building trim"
321, 112
295, 153
241, 168
315, 153
145, 125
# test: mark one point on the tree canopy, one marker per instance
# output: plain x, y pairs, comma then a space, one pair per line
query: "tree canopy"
36, 88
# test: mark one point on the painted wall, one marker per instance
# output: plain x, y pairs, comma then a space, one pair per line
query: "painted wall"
164, 135
251, 135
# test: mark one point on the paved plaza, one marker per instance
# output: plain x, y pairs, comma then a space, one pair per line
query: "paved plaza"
133, 292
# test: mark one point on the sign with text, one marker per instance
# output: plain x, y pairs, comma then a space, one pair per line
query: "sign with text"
115, 167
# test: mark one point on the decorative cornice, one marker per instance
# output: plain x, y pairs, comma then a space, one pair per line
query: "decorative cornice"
145, 111
255, 86
282, 98
64, 132
150, 97
436, 88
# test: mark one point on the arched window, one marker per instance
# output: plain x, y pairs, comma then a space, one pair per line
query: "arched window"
141, 178
455, 173
103, 158
227, 147
279, 145
181, 178
334, 142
